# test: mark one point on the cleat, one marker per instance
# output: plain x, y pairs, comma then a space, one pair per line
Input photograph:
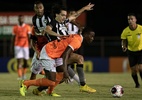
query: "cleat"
86, 88
137, 86
37, 92
23, 88
54, 95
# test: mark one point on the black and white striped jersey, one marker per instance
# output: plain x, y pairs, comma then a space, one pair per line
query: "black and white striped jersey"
40, 23
72, 29
59, 28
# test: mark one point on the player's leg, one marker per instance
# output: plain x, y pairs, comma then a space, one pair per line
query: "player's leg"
19, 57
140, 64
59, 75
73, 75
50, 74
25, 68
25, 62
133, 60
19, 68
79, 67
140, 70
135, 76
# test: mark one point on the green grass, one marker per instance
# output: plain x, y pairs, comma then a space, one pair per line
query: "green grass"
102, 82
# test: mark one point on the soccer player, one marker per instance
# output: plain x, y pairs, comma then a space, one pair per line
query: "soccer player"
39, 37
39, 23
132, 44
58, 26
51, 51
20, 44
56, 49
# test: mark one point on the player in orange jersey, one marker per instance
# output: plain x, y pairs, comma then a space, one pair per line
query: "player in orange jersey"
56, 49
59, 26
20, 44
51, 51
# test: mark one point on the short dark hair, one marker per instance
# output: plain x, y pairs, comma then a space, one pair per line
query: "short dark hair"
86, 30
38, 2
131, 14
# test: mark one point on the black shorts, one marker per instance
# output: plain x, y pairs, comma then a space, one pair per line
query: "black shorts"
135, 57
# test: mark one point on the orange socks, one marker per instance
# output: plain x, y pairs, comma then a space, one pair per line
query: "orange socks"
59, 77
39, 82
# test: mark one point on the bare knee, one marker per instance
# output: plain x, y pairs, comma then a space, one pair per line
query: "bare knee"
80, 59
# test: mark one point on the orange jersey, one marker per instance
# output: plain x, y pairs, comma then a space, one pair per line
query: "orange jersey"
54, 49
41, 40
21, 35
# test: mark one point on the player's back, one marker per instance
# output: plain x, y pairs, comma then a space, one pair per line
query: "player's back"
55, 48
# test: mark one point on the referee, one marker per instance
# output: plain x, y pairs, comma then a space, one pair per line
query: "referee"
132, 44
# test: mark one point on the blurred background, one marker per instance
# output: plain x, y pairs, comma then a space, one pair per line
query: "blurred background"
108, 19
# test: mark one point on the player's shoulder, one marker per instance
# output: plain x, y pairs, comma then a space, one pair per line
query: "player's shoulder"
15, 27
139, 26
28, 25
126, 29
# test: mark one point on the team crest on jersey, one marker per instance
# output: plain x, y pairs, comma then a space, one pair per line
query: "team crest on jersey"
63, 28
138, 35
45, 21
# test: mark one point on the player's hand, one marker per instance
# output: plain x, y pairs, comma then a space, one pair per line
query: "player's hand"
124, 49
89, 7
66, 77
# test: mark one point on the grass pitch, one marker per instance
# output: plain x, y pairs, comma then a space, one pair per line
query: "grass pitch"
102, 82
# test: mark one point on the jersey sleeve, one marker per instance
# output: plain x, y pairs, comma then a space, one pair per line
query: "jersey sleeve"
52, 23
29, 29
123, 35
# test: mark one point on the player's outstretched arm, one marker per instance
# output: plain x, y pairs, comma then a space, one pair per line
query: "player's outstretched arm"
85, 8
50, 32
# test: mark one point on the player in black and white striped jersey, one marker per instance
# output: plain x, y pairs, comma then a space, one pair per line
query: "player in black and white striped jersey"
39, 38
59, 26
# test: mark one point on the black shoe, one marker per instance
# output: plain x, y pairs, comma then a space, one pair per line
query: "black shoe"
137, 86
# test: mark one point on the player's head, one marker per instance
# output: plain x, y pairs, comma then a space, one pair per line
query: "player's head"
59, 12
71, 11
131, 18
21, 19
39, 8
88, 35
